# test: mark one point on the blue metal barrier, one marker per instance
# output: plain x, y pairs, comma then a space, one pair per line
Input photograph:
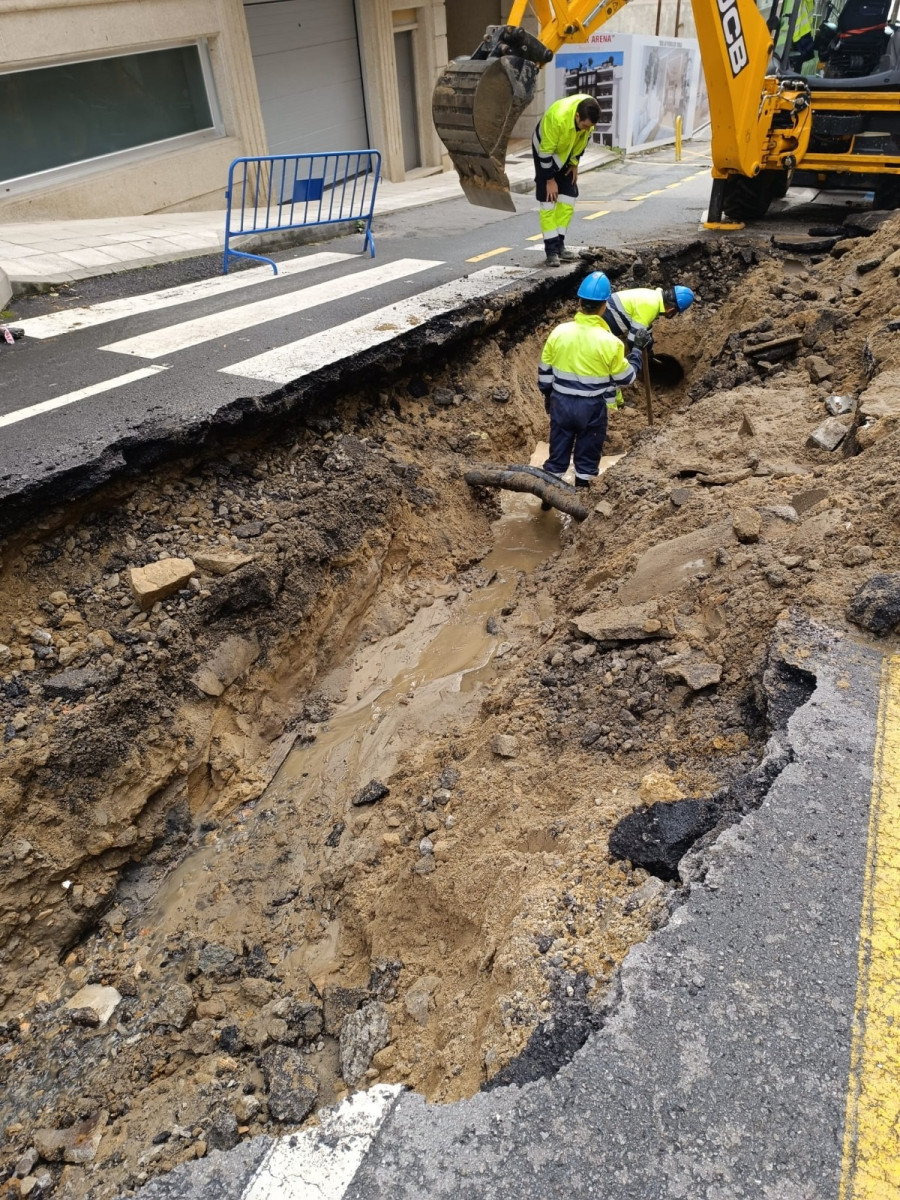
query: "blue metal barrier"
290, 191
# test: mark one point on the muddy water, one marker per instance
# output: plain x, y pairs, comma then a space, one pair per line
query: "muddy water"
241, 885
386, 696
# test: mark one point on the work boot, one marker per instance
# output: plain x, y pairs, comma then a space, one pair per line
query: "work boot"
582, 482
565, 253
551, 249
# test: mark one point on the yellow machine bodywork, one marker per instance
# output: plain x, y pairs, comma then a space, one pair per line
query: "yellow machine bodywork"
767, 124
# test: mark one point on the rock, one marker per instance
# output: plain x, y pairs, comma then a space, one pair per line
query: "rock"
856, 556
828, 435
747, 525
634, 622
338, 1003
656, 838
159, 580
231, 659
215, 959
176, 1007
418, 998
374, 791
679, 496
223, 1132
77, 1144
363, 1034
837, 405
748, 426
818, 368
221, 562
882, 397
803, 501
246, 1108
250, 529
72, 684
696, 673
26, 1163
95, 999
876, 605
505, 745
291, 1090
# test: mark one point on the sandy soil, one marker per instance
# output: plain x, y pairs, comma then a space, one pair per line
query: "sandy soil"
338, 808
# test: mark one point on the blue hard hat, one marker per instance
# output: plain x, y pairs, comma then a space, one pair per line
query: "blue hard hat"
684, 297
596, 287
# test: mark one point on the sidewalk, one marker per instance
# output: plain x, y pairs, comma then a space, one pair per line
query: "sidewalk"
44, 253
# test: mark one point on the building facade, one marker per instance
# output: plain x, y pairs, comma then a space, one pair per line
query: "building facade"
121, 107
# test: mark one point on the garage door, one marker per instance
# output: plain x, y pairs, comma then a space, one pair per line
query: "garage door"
307, 70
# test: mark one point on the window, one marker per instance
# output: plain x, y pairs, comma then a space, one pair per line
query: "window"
53, 117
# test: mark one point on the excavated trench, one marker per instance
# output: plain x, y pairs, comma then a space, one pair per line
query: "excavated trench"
389, 777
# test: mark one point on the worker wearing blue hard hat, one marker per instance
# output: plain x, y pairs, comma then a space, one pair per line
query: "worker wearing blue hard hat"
631, 313
582, 367
636, 309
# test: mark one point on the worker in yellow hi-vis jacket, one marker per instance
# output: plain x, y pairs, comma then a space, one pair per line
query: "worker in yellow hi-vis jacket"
559, 141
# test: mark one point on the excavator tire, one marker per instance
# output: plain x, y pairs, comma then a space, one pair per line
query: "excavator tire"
475, 105
747, 199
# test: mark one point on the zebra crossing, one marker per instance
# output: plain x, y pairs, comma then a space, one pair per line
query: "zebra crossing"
278, 364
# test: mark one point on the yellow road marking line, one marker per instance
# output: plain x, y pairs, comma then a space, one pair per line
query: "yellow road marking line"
870, 1168
678, 183
644, 197
535, 237
593, 216
489, 254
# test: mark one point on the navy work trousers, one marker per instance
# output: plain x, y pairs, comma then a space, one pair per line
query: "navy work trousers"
577, 428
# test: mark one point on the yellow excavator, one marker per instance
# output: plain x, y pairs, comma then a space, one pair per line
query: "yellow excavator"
779, 119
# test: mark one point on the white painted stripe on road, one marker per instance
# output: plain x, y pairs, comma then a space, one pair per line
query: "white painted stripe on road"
95, 389
53, 324
216, 325
320, 1163
287, 363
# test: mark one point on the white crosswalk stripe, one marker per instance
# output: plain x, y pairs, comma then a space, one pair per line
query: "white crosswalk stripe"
293, 361
172, 338
320, 1163
95, 389
71, 319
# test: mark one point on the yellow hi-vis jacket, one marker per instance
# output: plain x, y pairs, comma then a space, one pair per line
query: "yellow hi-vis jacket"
635, 306
804, 26
582, 360
557, 143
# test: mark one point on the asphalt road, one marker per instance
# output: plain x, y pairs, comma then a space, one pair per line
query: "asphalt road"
157, 357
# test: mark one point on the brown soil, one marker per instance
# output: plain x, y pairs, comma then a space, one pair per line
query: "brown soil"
202, 854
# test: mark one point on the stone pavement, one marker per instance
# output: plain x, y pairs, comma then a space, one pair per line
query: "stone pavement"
36, 254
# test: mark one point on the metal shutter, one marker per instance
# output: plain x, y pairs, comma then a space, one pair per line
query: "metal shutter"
306, 57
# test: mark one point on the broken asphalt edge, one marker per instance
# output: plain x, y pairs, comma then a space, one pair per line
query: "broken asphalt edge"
155, 444
389, 1140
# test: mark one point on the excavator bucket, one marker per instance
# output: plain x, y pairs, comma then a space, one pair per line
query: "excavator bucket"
475, 105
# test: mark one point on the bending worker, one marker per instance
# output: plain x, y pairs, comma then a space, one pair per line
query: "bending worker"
557, 146
631, 313
582, 367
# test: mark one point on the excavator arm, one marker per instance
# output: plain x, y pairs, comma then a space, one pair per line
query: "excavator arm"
477, 100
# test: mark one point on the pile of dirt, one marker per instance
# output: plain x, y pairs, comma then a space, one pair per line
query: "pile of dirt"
216, 913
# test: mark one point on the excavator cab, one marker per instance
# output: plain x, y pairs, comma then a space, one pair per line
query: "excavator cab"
476, 104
